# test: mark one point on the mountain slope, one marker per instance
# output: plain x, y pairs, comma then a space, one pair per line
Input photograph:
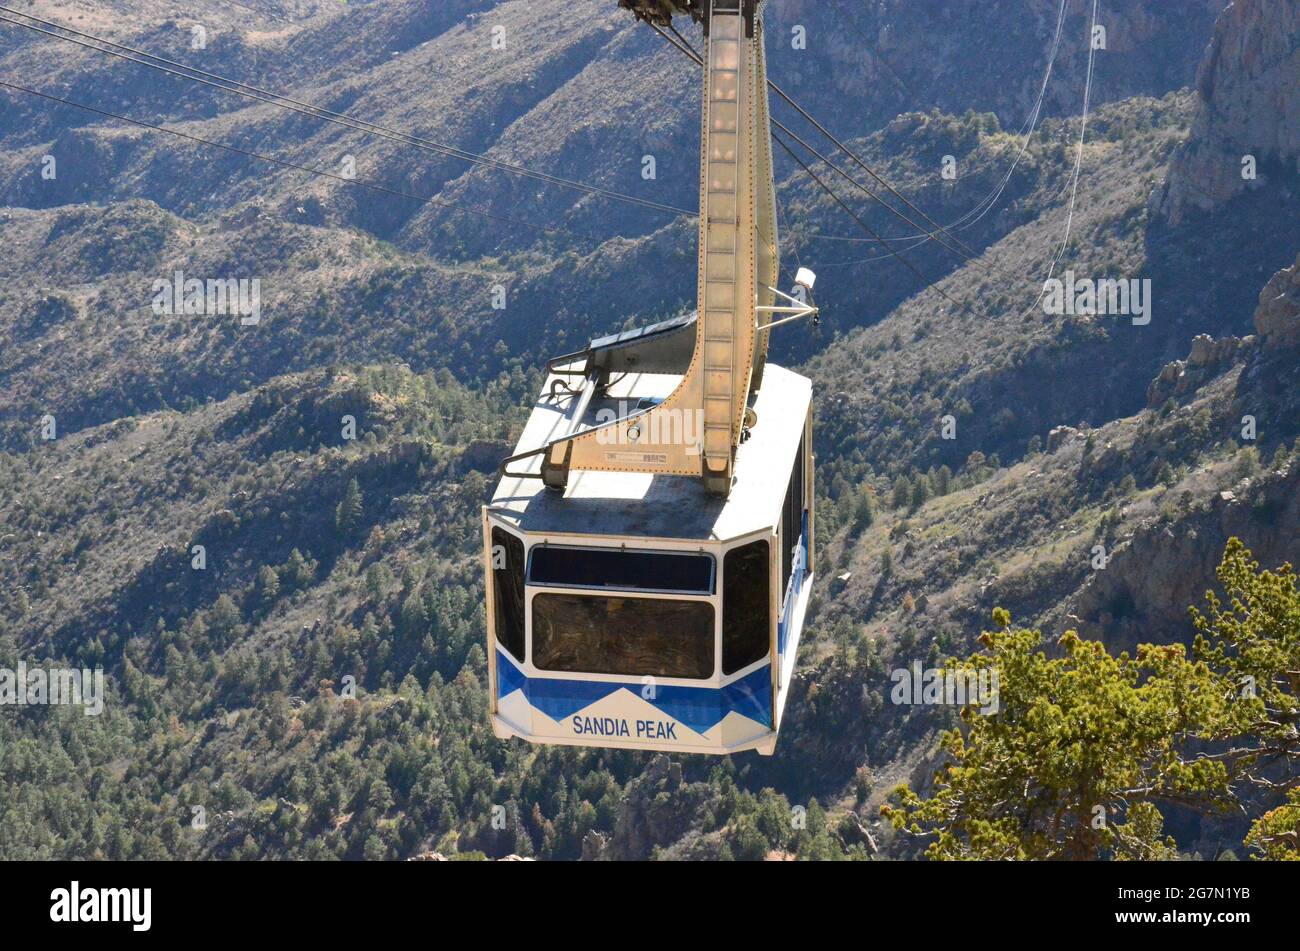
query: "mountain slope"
313, 683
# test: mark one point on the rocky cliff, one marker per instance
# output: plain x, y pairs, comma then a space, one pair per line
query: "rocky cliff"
1278, 318
1250, 77
1168, 562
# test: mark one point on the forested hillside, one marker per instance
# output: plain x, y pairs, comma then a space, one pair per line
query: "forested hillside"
267, 531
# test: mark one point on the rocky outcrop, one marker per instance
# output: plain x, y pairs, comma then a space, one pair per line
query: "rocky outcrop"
1277, 320
1152, 578
1059, 436
1249, 91
1209, 358
1277, 326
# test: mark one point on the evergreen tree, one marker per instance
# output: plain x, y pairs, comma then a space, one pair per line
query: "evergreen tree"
1076, 755
902, 492
347, 516
943, 481
863, 509
1084, 748
268, 584
1253, 637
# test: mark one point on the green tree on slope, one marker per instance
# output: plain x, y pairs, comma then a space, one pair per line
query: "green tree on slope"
1085, 748
1254, 640
1080, 750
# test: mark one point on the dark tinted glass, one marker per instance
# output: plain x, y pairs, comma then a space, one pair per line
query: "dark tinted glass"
615, 568
746, 612
508, 591
630, 636
792, 519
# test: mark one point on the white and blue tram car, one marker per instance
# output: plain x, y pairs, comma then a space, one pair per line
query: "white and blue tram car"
642, 611
648, 546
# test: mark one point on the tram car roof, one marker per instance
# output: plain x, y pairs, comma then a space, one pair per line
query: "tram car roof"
638, 505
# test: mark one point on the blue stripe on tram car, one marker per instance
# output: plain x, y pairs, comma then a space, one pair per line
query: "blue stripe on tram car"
699, 708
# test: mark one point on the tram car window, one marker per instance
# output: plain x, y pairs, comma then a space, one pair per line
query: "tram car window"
746, 611
562, 566
634, 637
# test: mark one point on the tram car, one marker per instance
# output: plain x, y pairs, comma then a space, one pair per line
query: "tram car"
648, 547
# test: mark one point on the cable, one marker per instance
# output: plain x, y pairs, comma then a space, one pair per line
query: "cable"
699, 61
282, 162
316, 112
303, 108
870, 171
1073, 187
681, 43
920, 239
917, 242
865, 227
685, 47
1031, 125
694, 55
1078, 161
1026, 133
690, 51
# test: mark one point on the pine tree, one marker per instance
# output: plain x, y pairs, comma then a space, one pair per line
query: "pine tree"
1100, 740
268, 584
298, 572
348, 514
943, 481
863, 509
1252, 636
902, 492
413, 620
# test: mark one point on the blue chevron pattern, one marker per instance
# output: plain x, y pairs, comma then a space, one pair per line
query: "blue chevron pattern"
700, 708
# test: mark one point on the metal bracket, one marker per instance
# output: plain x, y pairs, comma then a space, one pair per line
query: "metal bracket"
799, 309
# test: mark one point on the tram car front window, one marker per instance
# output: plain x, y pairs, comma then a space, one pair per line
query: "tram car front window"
638, 637
746, 612
657, 634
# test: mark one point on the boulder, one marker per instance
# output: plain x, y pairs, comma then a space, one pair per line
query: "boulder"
1203, 351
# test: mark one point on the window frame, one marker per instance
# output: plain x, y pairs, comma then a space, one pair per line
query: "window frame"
792, 519
666, 545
